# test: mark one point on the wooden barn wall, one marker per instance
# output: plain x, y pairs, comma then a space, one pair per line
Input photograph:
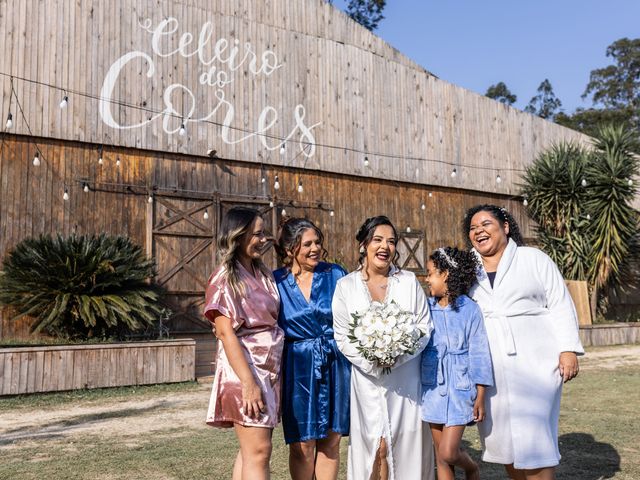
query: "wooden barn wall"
362, 94
31, 203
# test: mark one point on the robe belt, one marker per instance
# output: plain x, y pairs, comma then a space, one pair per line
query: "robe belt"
442, 353
321, 352
505, 329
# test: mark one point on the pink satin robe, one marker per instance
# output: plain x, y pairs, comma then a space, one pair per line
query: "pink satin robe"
254, 317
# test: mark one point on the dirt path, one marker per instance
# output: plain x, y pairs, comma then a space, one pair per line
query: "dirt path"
132, 417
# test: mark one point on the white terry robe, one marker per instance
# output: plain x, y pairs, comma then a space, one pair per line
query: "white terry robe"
385, 404
530, 319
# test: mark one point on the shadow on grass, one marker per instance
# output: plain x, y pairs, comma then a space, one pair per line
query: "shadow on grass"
57, 429
583, 457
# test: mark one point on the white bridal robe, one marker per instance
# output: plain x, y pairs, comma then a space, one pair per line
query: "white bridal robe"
530, 319
385, 405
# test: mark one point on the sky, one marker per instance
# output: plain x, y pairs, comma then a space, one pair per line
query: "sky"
476, 43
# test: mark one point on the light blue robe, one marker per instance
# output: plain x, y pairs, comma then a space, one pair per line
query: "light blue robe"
456, 359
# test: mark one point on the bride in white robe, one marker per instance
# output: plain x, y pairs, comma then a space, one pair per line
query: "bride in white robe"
385, 407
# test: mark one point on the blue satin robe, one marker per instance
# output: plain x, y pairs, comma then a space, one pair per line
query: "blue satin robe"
456, 360
316, 376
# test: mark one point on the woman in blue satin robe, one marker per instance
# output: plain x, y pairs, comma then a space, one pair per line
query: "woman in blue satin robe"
316, 376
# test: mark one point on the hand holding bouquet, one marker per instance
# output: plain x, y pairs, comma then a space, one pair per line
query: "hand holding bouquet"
384, 332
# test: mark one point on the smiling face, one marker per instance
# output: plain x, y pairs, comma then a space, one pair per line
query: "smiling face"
381, 249
254, 242
436, 281
309, 253
487, 234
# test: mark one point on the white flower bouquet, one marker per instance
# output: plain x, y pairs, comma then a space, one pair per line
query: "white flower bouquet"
384, 332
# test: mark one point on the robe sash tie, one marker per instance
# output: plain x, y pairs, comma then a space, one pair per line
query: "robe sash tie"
443, 351
322, 352
505, 330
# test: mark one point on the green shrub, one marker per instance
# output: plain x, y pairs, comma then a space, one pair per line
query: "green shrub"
81, 286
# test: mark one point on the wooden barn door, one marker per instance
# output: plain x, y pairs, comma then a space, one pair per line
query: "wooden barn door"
181, 235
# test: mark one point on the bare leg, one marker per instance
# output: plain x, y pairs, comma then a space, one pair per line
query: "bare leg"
547, 473
450, 452
328, 457
445, 471
380, 469
302, 456
237, 467
255, 448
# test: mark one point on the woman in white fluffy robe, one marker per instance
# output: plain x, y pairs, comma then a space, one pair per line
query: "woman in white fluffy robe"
532, 328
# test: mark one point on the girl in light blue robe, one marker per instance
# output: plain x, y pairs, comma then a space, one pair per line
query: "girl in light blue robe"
456, 364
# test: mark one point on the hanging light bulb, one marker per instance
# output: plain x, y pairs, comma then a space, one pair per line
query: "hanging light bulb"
100, 161
271, 204
9, 121
65, 196
150, 199
332, 213
630, 182
498, 179
454, 172
366, 161
583, 182
525, 202
282, 147
183, 130
263, 180
588, 217
430, 194
206, 214
36, 159
64, 102
300, 187
408, 229
276, 183
117, 162
86, 188
423, 207
283, 212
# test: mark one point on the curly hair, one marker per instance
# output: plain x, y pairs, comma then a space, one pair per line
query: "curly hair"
500, 214
290, 239
235, 225
365, 235
462, 266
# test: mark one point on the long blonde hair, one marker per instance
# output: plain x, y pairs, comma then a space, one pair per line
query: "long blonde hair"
235, 225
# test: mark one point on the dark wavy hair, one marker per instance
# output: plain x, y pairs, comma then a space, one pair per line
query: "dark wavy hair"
500, 214
365, 234
290, 239
462, 266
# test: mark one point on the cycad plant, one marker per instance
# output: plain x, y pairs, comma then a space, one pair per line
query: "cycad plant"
81, 286
582, 200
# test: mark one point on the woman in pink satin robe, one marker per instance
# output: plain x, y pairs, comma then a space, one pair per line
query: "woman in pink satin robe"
242, 303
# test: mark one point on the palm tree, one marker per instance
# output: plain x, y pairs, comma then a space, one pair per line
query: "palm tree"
582, 200
81, 286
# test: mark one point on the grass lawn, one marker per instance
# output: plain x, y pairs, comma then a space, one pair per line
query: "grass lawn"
599, 433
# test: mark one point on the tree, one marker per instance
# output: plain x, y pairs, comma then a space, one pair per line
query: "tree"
501, 93
545, 104
614, 91
367, 13
581, 200
81, 286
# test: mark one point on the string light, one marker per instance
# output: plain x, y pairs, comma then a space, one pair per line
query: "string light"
9, 123
206, 214
454, 172
276, 183
630, 182
300, 187
65, 196
366, 161
64, 102
588, 217
118, 162
150, 199
332, 213
183, 131
100, 161
271, 204
36, 159
430, 194
282, 149
283, 212
86, 188
408, 229
498, 178
423, 207
263, 180
525, 202
584, 182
